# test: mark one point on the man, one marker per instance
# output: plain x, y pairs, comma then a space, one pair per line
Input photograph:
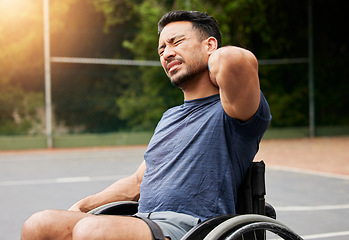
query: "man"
200, 150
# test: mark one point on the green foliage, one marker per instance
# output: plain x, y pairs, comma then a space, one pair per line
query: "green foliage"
144, 44
143, 106
18, 109
84, 96
21, 67
114, 11
286, 89
98, 98
271, 29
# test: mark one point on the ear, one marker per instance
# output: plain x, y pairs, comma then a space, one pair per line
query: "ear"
212, 45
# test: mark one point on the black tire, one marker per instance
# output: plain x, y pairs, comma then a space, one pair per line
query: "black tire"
247, 226
280, 230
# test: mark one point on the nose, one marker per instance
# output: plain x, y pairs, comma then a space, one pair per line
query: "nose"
168, 53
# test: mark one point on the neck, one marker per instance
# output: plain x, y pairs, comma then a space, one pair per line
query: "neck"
199, 88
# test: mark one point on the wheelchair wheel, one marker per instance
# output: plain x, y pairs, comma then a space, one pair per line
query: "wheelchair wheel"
116, 208
251, 227
279, 230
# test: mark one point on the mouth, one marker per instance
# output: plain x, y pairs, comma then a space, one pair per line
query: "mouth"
173, 65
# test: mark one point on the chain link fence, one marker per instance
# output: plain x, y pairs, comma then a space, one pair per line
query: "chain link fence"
98, 98
89, 79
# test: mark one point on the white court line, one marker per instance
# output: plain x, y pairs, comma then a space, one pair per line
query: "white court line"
310, 172
311, 208
323, 235
73, 179
326, 235
61, 180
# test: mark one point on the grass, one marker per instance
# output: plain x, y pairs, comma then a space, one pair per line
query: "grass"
302, 132
141, 138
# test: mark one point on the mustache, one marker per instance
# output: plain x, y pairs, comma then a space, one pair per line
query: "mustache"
173, 61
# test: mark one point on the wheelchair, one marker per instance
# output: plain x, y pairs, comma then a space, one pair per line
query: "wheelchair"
254, 219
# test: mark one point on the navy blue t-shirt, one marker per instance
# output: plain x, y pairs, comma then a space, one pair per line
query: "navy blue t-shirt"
197, 158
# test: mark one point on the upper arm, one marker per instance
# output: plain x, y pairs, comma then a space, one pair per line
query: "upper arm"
129, 187
140, 173
236, 74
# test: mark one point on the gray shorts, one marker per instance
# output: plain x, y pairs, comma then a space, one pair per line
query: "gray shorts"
173, 225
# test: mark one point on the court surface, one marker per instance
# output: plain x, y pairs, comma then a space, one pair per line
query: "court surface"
314, 203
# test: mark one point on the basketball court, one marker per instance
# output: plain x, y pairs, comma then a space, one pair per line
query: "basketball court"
307, 182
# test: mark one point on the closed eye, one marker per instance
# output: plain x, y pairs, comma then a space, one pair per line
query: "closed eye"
161, 50
172, 42
179, 41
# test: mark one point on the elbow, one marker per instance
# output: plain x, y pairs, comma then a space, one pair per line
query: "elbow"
238, 59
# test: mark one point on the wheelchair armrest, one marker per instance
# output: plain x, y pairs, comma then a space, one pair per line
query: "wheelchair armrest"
116, 208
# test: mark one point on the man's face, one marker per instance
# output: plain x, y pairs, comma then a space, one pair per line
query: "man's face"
182, 53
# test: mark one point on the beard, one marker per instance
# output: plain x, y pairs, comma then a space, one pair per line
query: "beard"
189, 75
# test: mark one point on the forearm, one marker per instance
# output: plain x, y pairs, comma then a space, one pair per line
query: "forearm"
126, 189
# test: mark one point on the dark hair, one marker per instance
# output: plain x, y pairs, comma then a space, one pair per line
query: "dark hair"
206, 24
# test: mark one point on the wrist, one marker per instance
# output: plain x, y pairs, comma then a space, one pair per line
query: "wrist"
84, 205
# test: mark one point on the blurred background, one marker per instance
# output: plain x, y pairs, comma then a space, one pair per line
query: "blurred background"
105, 87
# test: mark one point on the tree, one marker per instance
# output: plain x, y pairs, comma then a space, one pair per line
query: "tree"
101, 98
85, 96
20, 67
271, 29
247, 23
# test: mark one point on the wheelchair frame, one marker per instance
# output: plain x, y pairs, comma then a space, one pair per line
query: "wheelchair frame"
252, 219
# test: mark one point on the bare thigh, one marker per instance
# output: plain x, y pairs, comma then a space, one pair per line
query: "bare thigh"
112, 228
51, 224
61, 224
